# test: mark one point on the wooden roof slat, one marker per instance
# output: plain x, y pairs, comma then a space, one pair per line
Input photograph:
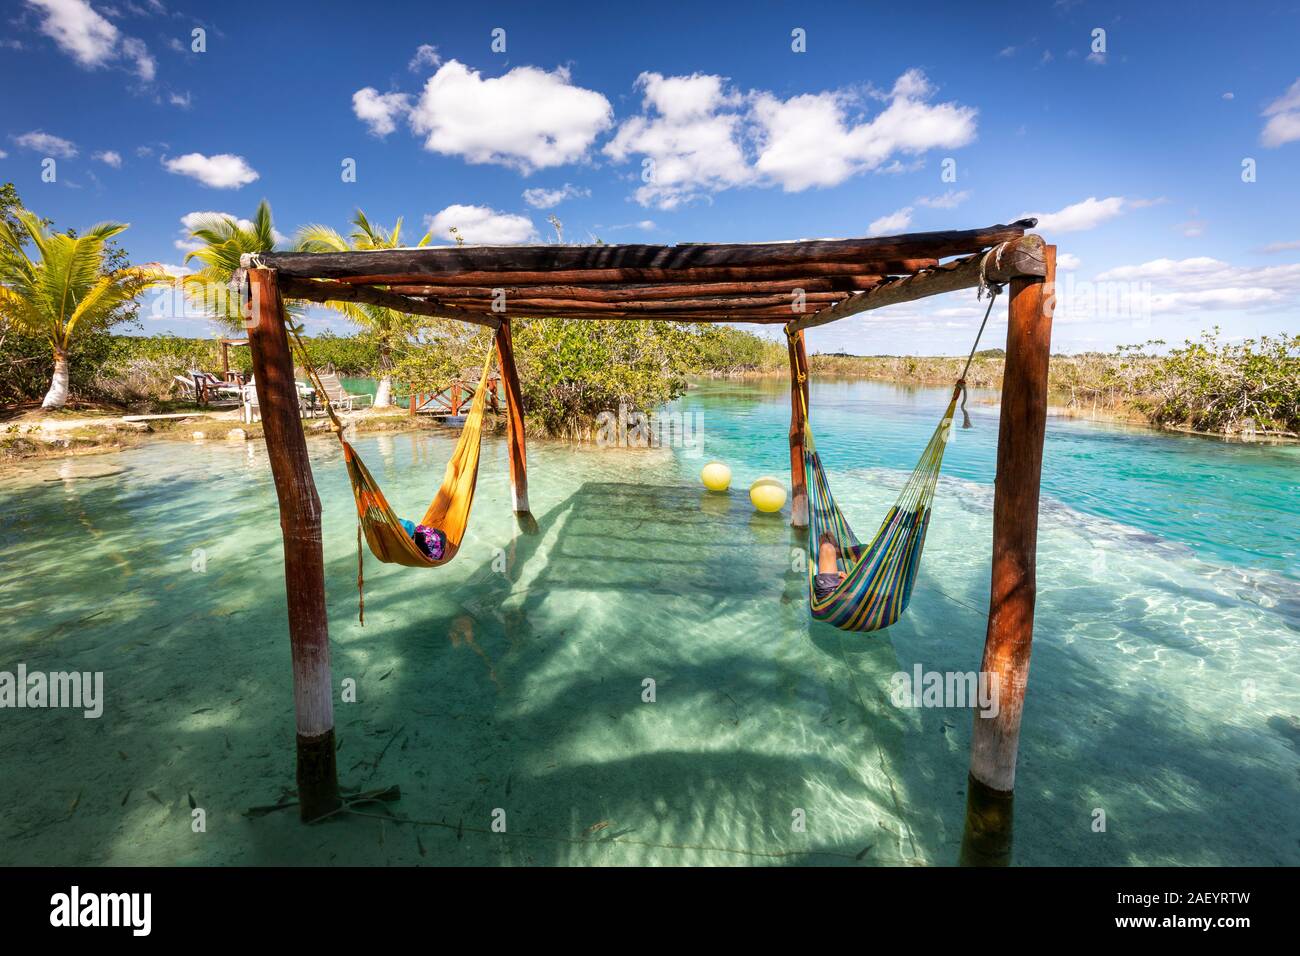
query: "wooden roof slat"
711, 310
454, 260
1020, 257
652, 305
684, 283
314, 291
642, 292
595, 277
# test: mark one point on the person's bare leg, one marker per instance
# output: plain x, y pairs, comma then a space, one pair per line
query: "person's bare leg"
828, 556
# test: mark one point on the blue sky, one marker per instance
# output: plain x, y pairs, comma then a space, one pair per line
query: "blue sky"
1130, 141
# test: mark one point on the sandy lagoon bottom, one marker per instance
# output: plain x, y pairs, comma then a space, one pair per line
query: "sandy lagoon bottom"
1163, 689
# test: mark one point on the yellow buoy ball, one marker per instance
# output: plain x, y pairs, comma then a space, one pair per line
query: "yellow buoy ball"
767, 494
716, 476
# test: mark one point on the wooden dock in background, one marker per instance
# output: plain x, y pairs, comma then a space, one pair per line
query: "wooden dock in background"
448, 401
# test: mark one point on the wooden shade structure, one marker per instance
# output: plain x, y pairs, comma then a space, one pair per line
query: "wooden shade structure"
768, 283
800, 285
225, 355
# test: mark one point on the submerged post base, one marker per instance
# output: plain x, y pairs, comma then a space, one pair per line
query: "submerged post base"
318, 788
989, 825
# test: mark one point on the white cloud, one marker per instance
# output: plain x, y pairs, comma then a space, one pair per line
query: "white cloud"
1282, 246
109, 157
3, 154
146, 67
222, 171
1195, 269
180, 99
701, 137
540, 198
1068, 262
893, 223
689, 137
1088, 214
897, 166
528, 119
78, 30
812, 141
948, 200
41, 142
645, 225
1284, 118
380, 111
1203, 283
481, 225
425, 55
1229, 95
90, 39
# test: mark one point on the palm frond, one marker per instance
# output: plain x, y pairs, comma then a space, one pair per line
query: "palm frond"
318, 238
110, 293
64, 285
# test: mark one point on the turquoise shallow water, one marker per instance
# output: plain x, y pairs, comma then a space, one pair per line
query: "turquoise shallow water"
1163, 689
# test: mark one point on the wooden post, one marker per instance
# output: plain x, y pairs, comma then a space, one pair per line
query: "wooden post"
1021, 426
514, 419
300, 525
798, 388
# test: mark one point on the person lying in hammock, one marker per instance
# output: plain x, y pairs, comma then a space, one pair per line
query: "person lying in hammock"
431, 542
829, 575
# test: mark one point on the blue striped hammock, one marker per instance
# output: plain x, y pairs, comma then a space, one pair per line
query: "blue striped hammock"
880, 575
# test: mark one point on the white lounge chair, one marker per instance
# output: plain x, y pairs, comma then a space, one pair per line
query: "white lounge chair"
338, 396
251, 412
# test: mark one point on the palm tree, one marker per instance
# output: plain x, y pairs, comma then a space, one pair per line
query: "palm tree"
388, 328
222, 241
67, 289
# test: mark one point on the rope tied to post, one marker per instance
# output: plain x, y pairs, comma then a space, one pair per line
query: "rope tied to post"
993, 289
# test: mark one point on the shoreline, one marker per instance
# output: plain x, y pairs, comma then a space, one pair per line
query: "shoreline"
34, 437
1058, 405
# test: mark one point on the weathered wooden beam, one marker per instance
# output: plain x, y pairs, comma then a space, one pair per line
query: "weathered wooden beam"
449, 260
716, 314
300, 525
714, 304
514, 420
644, 292
798, 433
797, 271
1008, 641
1018, 258
317, 291
480, 314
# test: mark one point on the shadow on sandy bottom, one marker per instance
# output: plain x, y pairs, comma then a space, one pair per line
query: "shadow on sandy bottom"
481, 691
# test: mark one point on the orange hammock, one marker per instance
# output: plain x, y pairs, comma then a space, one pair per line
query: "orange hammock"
449, 511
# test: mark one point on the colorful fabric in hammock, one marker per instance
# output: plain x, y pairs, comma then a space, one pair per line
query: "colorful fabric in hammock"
880, 574
449, 511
